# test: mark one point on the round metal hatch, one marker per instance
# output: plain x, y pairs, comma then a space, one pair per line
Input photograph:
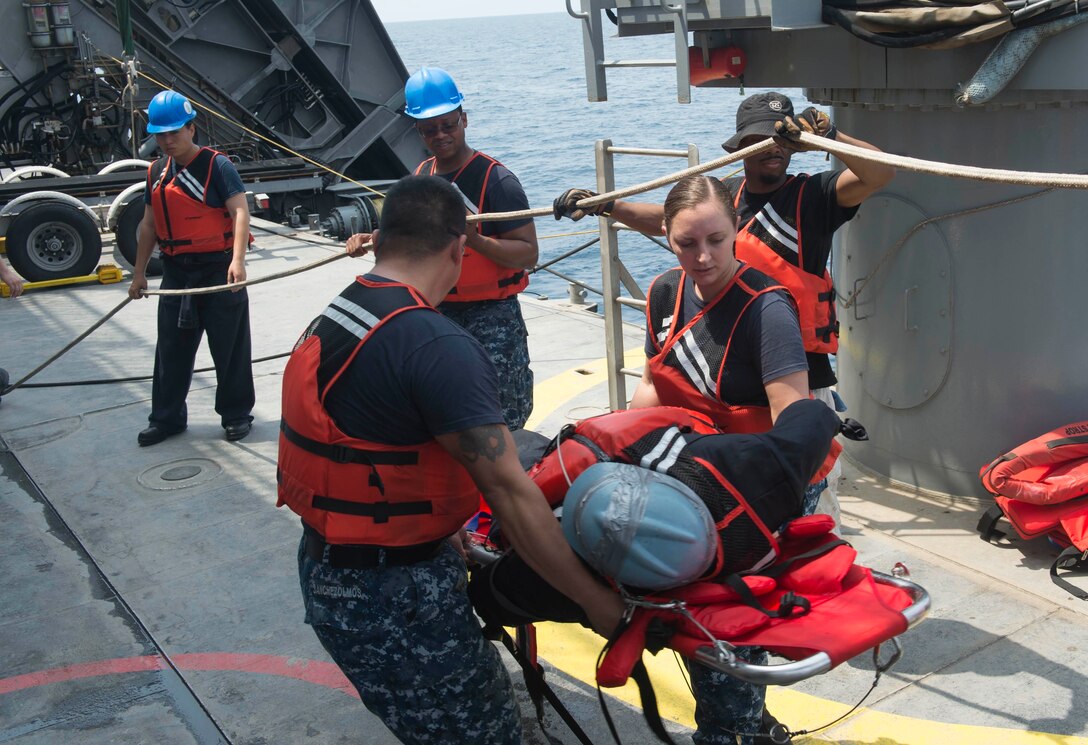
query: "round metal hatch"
180, 474
899, 331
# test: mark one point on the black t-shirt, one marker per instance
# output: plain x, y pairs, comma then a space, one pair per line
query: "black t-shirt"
767, 344
418, 376
504, 193
771, 469
821, 216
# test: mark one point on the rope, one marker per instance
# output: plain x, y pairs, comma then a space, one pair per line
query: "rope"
257, 281
672, 178
256, 134
565, 235
71, 344
972, 173
918, 165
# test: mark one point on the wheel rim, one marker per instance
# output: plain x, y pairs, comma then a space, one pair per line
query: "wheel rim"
54, 246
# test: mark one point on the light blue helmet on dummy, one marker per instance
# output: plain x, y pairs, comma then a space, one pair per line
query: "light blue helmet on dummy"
641, 528
168, 111
429, 93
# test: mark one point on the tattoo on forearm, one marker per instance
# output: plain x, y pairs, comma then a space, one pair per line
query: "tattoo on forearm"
482, 442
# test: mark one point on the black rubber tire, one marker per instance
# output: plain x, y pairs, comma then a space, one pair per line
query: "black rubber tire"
53, 240
127, 226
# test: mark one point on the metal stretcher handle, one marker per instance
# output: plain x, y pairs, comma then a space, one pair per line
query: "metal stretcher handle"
788, 673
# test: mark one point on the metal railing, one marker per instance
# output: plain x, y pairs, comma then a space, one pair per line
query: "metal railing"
613, 271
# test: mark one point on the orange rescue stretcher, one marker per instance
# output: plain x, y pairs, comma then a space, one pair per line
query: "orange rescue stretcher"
814, 606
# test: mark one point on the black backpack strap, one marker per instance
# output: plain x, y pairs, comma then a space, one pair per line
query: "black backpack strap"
987, 524
537, 686
790, 604
1074, 560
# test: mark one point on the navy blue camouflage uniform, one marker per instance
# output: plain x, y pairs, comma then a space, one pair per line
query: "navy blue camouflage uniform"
406, 636
498, 324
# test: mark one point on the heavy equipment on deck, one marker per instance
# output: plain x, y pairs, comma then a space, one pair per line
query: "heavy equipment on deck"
303, 96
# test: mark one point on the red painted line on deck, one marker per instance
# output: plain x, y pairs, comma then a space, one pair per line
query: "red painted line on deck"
311, 671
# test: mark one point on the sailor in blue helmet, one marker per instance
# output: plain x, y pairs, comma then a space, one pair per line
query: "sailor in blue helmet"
195, 210
484, 302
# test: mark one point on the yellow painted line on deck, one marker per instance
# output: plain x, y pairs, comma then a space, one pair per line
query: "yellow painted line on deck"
574, 650
550, 395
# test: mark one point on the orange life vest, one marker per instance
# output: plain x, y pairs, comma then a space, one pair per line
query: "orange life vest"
772, 245
1051, 468
184, 223
1041, 487
689, 374
687, 371
350, 490
481, 278
604, 438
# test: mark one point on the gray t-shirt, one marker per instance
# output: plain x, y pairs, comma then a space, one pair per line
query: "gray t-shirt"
766, 346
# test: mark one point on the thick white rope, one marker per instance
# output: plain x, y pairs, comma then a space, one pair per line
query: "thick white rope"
917, 165
973, 173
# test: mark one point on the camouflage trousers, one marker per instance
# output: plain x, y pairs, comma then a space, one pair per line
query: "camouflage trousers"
727, 710
811, 498
725, 705
406, 638
498, 325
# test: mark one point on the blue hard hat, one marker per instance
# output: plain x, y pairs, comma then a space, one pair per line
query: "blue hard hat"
642, 528
429, 93
168, 111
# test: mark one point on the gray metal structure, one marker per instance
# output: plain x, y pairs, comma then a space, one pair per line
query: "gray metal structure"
320, 77
968, 339
304, 96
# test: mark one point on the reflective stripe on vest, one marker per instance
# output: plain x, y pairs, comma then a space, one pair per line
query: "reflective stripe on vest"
688, 373
653, 438
481, 278
774, 246
184, 223
350, 490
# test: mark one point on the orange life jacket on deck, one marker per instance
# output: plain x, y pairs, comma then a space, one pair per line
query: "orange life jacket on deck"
481, 278
355, 491
772, 245
688, 373
1041, 487
184, 223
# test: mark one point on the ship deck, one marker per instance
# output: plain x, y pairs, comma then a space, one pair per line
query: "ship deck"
151, 595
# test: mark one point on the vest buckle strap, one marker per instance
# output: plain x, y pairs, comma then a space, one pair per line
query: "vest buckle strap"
513, 279
826, 332
380, 512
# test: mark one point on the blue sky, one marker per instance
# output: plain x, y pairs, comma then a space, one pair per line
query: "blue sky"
419, 10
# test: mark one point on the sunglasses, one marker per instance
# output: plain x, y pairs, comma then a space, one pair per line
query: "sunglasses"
432, 130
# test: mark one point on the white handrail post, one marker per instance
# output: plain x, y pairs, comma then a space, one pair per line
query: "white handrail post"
610, 278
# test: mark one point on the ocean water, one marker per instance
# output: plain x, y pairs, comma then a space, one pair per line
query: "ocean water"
525, 96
